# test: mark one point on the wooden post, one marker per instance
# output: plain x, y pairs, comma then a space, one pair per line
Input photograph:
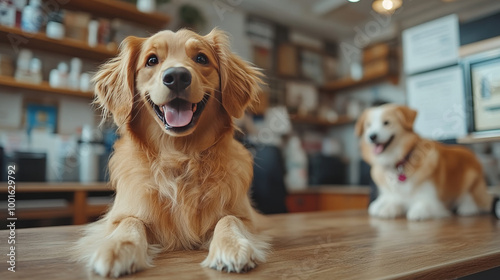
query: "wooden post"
80, 207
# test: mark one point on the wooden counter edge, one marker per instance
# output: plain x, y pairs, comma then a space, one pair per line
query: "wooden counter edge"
59, 187
333, 189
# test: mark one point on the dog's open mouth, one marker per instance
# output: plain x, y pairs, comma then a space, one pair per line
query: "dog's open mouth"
179, 115
381, 147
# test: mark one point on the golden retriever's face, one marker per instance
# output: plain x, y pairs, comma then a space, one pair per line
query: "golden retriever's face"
178, 74
180, 78
380, 127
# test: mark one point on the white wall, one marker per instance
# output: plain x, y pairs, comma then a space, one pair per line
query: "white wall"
218, 14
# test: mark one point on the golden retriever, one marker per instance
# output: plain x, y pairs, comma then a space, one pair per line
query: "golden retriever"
181, 179
419, 178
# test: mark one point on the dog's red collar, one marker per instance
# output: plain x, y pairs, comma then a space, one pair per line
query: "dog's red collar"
400, 166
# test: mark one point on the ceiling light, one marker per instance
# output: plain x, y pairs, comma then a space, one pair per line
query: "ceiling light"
353, 1
386, 6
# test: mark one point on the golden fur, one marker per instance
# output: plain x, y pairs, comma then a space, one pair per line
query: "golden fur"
439, 177
173, 189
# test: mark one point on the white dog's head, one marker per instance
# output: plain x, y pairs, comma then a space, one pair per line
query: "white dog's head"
382, 127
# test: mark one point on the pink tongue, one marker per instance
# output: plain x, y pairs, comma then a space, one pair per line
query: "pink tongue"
178, 114
378, 149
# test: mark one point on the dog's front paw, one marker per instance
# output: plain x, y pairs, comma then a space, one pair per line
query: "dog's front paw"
427, 210
235, 255
116, 258
384, 208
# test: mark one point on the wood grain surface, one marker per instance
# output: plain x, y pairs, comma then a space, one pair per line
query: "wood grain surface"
322, 245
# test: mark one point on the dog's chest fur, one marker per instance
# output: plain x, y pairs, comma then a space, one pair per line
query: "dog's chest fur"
183, 195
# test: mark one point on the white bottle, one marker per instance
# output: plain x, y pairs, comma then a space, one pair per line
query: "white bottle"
23, 66
89, 151
54, 78
62, 69
85, 84
74, 74
8, 14
93, 30
36, 71
55, 30
146, 6
296, 165
33, 17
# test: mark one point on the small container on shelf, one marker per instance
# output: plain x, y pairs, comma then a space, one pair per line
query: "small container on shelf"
104, 32
76, 25
6, 66
36, 71
93, 29
8, 12
90, 148
54, 80
62, 69
146, 6
23, 66
33, 17
85, 84
74, 74
55, 27
20, 4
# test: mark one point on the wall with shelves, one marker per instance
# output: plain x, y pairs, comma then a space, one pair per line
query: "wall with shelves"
53, 51
224, 15
74, 108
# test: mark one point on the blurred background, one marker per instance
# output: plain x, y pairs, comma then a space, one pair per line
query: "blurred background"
325, 61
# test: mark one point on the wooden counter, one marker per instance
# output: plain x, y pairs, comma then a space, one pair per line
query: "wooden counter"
322, 245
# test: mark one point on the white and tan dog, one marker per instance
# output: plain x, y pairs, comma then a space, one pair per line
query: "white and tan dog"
419, 178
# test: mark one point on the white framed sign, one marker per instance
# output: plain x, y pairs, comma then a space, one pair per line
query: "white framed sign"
431, 45
439, 98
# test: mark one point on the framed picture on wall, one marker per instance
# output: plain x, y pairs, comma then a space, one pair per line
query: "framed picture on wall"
482, 82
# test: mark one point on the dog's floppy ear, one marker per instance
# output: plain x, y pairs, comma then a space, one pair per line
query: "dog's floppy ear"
239, 80
406, 116
115, 82
360, 124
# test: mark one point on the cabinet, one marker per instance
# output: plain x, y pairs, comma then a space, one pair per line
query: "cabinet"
328, 198
77, 205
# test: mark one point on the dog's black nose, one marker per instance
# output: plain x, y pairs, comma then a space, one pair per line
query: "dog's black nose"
373, 137
177, 78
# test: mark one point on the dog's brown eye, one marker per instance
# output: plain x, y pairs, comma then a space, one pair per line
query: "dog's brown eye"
201, 59
152, 61
386, 122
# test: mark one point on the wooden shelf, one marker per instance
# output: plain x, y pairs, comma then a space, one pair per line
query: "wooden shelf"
376, 71
480, 137
321, 122
478, 47
347, 83
65, 46
119, 9
44, 87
